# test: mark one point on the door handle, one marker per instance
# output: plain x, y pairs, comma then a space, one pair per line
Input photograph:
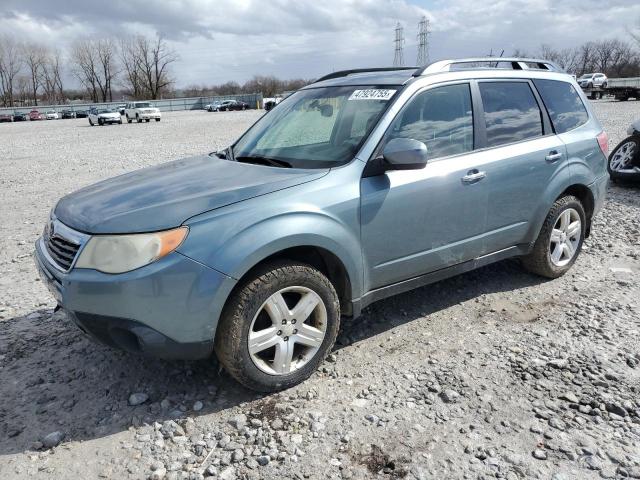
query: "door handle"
553, 156
473, 176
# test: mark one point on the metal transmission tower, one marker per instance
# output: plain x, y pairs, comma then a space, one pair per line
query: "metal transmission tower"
398, 58
423, 42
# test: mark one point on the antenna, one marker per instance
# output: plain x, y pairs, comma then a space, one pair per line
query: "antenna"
398, 58
423, 41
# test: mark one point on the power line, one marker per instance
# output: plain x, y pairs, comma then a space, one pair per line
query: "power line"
398, 58
423, 42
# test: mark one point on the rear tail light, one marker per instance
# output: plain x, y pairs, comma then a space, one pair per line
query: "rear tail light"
603, 141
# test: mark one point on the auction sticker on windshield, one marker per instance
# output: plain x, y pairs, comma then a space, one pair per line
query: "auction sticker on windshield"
372, 94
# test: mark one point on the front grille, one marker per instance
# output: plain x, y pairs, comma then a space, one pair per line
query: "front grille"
62, 250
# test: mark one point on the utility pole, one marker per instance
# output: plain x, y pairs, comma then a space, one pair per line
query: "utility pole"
398, 58
423, 41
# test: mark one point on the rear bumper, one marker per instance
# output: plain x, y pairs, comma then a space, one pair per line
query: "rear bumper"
167, 309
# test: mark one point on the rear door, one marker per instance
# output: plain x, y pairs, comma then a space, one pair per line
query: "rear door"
526, 156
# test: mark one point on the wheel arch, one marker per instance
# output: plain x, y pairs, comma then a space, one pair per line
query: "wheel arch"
585, 195
322, 259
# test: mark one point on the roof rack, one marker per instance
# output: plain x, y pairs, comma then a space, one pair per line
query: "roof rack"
344, 73
514, 62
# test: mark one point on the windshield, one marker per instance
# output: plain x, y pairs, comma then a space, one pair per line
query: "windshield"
587, 75
143, 105
316, 128
106, 110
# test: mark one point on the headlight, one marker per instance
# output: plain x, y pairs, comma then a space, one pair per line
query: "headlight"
122, 253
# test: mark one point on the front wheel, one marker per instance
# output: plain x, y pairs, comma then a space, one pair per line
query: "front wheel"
278, 327
560, 240
128, 119
100, 122
138, 119
157, 119
90, 122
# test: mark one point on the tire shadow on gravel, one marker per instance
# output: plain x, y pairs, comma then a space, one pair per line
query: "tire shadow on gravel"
386, 314
54, 378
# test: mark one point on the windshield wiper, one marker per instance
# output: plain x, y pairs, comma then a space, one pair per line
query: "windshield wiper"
260, 160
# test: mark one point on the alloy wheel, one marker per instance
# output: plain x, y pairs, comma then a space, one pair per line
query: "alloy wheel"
565, 237
623, 157
287, 331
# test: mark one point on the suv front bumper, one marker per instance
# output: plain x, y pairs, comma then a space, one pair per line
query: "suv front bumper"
149, 116
167, 309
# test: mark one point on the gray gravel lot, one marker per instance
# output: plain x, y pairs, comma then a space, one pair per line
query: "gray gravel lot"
492, 374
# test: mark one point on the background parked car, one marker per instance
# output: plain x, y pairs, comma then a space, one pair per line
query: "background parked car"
20, 117
82, 113
103, 116
140, 111
52, 115
212, 107
67, 114
230, 105
590, 80
35, 115
6, 117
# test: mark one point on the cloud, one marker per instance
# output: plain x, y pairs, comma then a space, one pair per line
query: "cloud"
220, 40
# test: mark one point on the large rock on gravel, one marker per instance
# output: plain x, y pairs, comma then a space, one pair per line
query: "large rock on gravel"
138, 398
53, 439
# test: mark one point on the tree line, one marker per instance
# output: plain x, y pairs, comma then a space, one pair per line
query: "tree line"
136, 66
613, 57
268, 85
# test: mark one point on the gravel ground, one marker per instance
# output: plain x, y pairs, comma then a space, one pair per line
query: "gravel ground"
492, 374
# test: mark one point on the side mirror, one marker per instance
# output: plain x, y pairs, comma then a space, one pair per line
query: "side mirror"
405, 154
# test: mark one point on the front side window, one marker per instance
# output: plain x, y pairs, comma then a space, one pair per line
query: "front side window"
317, 127
563, 104
441, 118
511, 112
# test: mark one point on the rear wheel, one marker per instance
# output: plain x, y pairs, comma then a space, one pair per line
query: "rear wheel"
278, 327
100, 122
560, 240
138, 119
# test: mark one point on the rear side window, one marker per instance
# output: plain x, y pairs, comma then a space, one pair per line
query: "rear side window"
511, 112
441, 118
563, 104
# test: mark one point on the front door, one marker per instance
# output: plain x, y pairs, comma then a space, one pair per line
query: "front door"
417, 221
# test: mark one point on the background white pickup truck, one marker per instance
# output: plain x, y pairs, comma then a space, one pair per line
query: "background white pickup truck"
140, 111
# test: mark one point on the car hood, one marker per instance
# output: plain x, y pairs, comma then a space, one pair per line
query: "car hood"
109, 115
164, 196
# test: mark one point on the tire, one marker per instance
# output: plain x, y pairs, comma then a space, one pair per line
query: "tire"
128, 119
157, 119
120, 121
539, 260
247, 309
138, 119
100, 122
625, 156
90, 122
147, 120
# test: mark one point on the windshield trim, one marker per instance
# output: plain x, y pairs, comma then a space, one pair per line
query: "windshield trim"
363, 141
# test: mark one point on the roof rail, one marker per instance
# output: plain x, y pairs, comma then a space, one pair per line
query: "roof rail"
344, 73
515, 62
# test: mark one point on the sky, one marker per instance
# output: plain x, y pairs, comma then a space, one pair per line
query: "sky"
222, 40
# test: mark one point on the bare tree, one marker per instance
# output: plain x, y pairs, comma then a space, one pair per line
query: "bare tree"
129, 60
154, 59
51, 77
10, 66
33, 56
566, 58
106, 54
85, 66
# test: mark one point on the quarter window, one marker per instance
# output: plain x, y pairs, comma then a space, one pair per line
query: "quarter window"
511, 112
441, 118
563, 104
